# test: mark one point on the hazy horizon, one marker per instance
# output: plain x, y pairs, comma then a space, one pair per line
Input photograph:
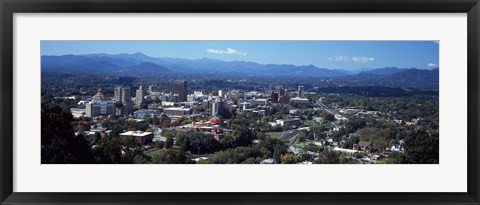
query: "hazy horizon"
335, 55
196, 59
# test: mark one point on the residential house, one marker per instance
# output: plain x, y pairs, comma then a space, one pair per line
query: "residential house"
363, 146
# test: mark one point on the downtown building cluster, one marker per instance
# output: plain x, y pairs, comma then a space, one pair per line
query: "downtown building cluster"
181, 103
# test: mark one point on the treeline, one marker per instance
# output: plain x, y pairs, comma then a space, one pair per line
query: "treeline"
400, 108
377, 91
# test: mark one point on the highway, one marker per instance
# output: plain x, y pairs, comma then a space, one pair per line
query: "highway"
324, 107
290, 135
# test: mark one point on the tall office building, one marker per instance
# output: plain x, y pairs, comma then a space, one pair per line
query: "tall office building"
118, 94
180, 88
123, 101
216, 106
274, 97
126, 94
284, 100
280, 90
139, 94
301, 91
151, 88
122, 94
221, 93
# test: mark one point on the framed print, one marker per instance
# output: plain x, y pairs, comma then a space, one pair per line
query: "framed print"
254, 102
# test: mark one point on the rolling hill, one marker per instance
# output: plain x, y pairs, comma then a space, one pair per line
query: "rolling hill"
141, 65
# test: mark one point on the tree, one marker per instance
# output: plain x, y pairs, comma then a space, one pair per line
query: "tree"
108, 151
166, 123
179, 134
169, 156
143, 105
129, 141
330, 157
421, 147
200, 143
289, 159
180, 139
160, 144
244, 155
228, 142
301, 136
265, 119
141, 159
155, 120
250, 160
286, 126
380, 144
225, 113
242, 136
169, 142
353, 125
133, 155
167, 133
261, 135
350, 142
93, 139
317, 129
277, 150
58, 141
329, 117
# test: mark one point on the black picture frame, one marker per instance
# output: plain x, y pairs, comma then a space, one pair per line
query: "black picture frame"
10, 7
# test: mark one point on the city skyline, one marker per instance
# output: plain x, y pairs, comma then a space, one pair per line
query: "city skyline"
289, 107
346, 55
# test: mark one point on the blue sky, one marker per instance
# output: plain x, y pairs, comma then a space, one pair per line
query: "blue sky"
347, 55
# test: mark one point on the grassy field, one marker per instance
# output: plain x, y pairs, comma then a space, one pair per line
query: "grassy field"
310, 122
298, 144
274, 134
151, 153
154, 151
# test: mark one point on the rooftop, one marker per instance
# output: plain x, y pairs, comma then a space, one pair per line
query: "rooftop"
364, 143
135, 133
177, 108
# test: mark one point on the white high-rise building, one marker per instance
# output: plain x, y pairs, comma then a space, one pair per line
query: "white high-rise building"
216, 106
221, 93
139, 95
301, 91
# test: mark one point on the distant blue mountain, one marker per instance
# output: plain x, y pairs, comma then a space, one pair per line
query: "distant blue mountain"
345, 72
139, 64
100, 64
411, 77
415, 76
383, 71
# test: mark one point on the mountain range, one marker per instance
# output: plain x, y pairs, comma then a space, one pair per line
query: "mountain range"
139, 64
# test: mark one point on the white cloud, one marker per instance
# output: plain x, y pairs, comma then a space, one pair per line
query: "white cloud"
432, 65
355, 59
341, 58
229, 51
362, 59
